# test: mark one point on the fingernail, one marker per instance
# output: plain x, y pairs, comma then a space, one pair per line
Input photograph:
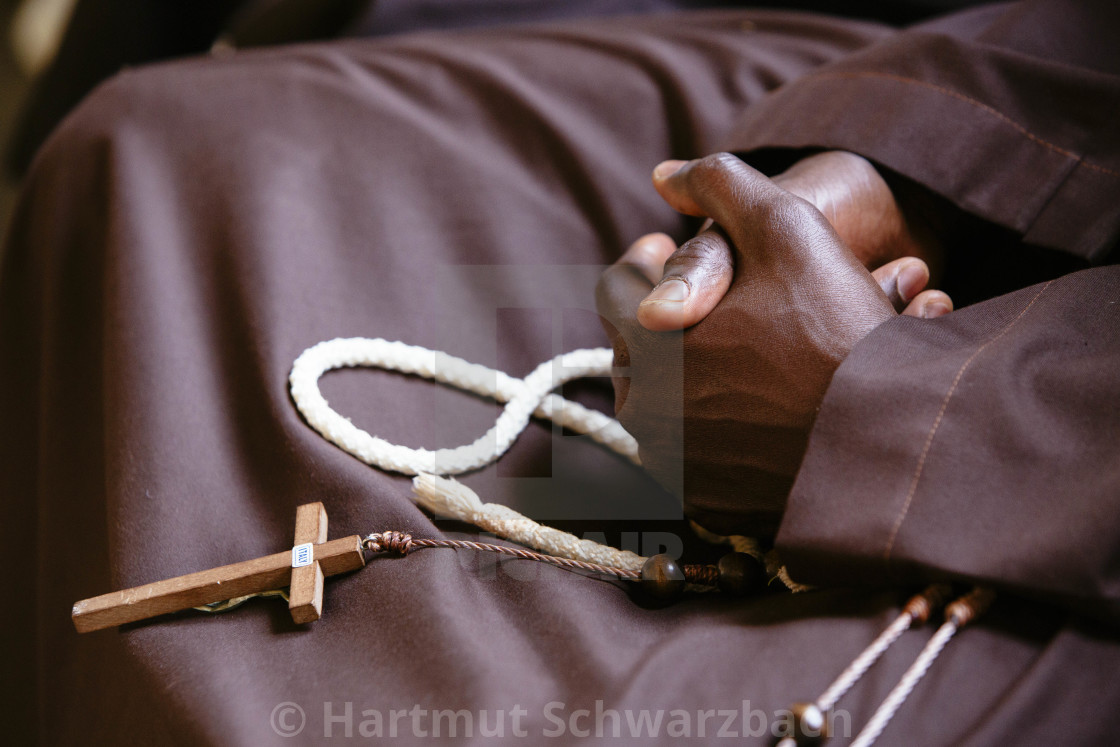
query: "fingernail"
912, 278
665, 169
934, 309
670, 290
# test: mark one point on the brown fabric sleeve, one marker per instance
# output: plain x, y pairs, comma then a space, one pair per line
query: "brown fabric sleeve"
980, 446
1007, 111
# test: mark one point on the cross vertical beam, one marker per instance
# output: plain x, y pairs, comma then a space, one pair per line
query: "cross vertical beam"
305, 598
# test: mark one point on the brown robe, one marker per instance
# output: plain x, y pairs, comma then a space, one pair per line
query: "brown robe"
193, 227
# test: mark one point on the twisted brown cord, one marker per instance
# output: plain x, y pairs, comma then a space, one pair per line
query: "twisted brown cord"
970, 606
703, 575
396, 543
921, 606
399, 543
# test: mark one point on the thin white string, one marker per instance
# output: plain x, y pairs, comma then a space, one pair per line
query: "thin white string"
906, 685
863, 662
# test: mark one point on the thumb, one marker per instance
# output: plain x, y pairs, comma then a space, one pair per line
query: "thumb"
694, 280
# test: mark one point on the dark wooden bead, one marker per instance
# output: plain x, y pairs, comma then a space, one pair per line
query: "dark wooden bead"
662, 579
740, 574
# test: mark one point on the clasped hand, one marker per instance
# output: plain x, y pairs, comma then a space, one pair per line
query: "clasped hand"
730, 341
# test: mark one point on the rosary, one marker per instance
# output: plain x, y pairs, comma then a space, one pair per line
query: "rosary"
304, 567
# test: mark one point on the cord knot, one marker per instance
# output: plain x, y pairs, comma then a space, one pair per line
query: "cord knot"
397, 543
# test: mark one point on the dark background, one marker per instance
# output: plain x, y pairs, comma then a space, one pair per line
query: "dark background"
13, 89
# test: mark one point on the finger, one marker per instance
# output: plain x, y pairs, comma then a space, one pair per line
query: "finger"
695, 278
621, 288
624, 284
648, 255
929, 305
763, 220
720, 186
902, 280
672, 192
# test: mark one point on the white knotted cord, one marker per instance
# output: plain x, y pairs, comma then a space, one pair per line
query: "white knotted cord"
453, 500
524, 398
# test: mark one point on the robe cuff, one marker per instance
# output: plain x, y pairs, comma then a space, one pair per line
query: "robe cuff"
979, 447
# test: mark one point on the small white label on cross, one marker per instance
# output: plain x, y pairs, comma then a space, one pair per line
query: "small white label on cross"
302, 555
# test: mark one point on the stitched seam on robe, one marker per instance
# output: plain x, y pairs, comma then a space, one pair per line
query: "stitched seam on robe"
919, 469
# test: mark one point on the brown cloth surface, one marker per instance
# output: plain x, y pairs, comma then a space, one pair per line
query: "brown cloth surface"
194, 227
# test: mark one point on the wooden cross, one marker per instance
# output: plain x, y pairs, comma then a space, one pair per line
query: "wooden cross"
303, 568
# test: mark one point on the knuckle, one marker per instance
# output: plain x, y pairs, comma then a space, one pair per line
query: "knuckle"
714, 169
706, 246
797, 213
707, 251
720, 162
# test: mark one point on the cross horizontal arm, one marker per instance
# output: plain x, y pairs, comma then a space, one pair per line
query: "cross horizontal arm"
207, 587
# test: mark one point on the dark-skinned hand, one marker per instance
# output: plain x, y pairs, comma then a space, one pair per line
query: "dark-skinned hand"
722, 411
859, 205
